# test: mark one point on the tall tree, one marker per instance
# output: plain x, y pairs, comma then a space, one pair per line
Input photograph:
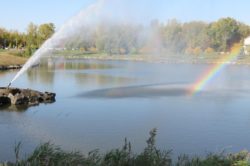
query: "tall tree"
45, 31
224, 33
32, 35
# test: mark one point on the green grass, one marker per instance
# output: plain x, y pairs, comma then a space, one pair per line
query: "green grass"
50, 155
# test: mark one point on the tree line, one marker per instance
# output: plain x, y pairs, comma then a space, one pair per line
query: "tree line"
194, 37
28, 41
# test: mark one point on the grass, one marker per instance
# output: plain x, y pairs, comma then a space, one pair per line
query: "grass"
10, 58
50, 155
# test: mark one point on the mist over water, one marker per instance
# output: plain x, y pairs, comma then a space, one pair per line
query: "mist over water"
86, 17
126, 27
103, 14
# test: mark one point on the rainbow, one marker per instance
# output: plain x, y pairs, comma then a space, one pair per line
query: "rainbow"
215, 69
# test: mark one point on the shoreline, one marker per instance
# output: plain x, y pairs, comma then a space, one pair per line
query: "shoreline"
10, 67
147, 59
158, 60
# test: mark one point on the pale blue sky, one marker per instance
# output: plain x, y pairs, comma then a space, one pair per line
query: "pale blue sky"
17, 14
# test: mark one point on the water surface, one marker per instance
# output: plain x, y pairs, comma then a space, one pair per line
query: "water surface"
99, 103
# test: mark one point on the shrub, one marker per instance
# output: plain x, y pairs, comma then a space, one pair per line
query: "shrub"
48, 154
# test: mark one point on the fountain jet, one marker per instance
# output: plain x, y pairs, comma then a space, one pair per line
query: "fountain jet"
9, 85
87, 16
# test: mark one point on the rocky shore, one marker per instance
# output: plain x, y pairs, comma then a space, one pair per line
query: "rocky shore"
9, 67
24, 97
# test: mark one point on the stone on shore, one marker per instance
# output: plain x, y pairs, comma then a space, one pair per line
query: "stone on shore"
27, 97
9, 67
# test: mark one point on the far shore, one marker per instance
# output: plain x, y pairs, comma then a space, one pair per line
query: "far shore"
183, 59
10, 61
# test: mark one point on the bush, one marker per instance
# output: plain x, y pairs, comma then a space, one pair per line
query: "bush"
29, 50
48, 154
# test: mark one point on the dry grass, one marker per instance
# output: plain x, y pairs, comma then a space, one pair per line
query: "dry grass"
6, 58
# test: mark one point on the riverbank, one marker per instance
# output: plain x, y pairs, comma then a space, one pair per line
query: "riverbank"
10, 61
170, 59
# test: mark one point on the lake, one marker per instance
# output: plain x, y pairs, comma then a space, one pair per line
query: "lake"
99, 103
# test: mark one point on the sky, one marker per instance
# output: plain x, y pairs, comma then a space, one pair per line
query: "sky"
16, 14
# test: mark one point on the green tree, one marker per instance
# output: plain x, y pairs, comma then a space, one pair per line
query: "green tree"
2, 38
36, 35
194, 34
174, 41
244, 31
224, 33
45, 31
32, 36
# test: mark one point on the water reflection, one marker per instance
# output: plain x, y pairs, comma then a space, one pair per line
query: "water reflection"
119, 99
77, 70
3, 73
76, 64
44, 74
15, 108
102, 79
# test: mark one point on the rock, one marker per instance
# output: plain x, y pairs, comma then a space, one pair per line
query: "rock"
24, 97
18, 99
10, 67
49, 97
4, 100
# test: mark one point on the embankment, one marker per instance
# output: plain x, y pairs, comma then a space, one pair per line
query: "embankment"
9, 61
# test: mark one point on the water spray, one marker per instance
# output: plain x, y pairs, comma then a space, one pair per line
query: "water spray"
85, 17
91, 17
8, 85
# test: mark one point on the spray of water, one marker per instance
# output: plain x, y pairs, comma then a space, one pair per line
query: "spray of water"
115, 22
101, 15
86, 17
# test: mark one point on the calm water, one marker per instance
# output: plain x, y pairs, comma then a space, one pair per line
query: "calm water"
99, 103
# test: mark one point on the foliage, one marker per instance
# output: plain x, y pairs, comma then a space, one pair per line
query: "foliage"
195, 37
30, 41
36, 35
11, 39
224, 33
49, 154
44, 32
